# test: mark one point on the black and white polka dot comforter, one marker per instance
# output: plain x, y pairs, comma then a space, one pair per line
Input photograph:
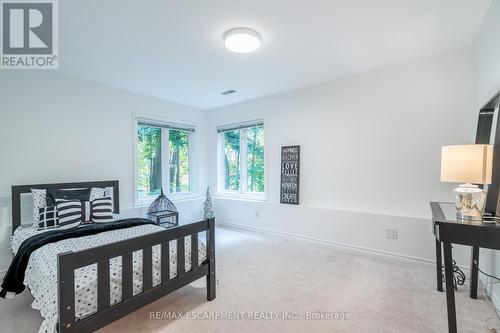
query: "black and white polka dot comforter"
41, 273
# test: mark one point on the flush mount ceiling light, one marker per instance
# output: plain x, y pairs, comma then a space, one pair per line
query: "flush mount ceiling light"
242, 40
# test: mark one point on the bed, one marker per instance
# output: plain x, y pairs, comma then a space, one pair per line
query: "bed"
82, 284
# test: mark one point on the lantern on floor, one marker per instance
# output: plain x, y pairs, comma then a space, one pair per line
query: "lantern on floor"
163, 212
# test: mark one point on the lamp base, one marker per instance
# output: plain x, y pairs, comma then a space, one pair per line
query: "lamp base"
470, 202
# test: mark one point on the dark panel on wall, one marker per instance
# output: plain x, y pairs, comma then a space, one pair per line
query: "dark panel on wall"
290, 171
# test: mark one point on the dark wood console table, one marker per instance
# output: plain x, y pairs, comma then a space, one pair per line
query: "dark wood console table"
449, 230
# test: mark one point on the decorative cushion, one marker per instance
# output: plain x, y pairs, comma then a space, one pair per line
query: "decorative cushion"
39, 201
69, 212
72, 213
97, 193
80, 194
47, 218
102, 210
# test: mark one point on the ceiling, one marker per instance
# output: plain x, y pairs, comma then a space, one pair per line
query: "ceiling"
174, 49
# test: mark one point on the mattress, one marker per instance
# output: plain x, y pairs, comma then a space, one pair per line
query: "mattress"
41, 273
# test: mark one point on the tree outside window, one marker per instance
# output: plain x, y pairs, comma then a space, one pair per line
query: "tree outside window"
242, 159
162, 160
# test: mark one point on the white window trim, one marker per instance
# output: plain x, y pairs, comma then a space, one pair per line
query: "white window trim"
242, 193
174, 196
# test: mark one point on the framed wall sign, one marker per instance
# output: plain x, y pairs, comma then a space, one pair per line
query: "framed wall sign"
290, 170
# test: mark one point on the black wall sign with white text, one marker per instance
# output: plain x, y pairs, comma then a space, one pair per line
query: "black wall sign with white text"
290, 169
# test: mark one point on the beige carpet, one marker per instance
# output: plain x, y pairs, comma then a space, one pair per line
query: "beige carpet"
260, 272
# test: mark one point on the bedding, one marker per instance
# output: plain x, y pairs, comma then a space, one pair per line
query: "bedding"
13, 280
41, 271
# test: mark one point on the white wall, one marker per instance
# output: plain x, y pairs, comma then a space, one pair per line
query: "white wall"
486, 64
370, 148
56, 129
370, 154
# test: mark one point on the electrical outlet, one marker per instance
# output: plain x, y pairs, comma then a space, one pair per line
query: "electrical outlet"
391, 233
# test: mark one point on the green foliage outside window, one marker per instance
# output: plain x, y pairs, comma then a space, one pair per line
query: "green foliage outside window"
232, 160
253, 138
255, 146
179, 160
149, 160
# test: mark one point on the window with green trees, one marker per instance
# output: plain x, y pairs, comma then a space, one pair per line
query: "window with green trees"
242, 159
178, 160
163, 160
232, 160
255, 158
149, 161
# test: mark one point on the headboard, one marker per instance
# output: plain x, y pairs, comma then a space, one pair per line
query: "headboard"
20, 189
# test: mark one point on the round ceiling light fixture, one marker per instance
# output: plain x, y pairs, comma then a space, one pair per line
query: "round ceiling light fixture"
242, 40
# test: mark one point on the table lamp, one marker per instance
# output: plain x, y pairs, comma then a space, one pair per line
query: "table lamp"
469, 164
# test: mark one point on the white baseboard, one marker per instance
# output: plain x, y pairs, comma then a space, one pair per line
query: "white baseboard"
323, 241
495, 300
490, 292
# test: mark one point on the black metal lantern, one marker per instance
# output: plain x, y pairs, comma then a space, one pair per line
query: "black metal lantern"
163, 212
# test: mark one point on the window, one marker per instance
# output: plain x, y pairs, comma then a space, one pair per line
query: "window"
241, 159
163, 160
178, 142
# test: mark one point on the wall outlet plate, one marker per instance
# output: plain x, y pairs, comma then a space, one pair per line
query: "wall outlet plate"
391, 233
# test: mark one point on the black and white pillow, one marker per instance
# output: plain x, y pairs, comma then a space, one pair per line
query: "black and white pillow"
47, 218
72, 213
69, 213
39, 201
101, 210
80, 194
43, 198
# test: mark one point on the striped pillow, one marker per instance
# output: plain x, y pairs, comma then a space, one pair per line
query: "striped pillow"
102, 210
69, 212
72, 213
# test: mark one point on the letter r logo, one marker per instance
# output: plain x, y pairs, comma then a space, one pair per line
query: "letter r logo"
27, 27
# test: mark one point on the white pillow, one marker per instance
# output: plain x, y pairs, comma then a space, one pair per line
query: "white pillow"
96, 193
39, 201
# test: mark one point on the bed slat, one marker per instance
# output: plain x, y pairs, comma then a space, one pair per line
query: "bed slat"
165, 262
103, 285
147, 269
127, 285
211, 280
66, 273
181, 261
194, 251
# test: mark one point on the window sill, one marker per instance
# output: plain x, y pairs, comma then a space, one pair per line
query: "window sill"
241, 196
173, 198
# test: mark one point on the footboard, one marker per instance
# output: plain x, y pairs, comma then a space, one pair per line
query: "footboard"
107, 313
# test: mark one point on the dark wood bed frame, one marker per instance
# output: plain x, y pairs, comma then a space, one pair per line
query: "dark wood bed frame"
107, 313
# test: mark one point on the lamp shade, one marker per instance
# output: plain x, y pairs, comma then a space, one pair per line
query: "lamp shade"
467, 164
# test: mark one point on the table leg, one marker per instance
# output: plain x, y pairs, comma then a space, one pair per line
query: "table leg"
439, 266
474, 272
450, 292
